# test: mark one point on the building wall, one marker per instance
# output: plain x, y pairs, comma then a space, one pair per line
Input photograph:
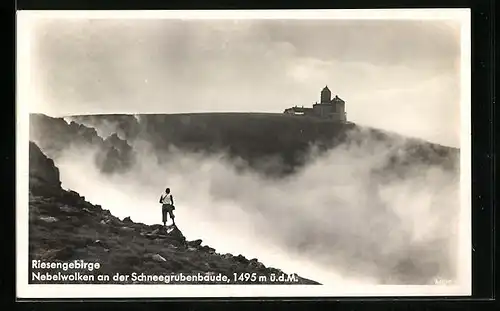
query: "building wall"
319, 111
323, 110
299, 111
341, 111
339, 108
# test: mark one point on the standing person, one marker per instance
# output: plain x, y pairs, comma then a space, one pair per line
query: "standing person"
167, 201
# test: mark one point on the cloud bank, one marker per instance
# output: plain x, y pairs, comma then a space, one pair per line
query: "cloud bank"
339, 218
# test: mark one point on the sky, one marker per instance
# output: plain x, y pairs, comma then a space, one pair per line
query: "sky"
397, 75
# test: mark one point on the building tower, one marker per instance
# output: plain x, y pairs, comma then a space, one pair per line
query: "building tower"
339, 108
326, 95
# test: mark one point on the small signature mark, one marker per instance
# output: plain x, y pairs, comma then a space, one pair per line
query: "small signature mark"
439, 281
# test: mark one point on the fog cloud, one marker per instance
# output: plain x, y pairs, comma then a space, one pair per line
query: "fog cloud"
338, 218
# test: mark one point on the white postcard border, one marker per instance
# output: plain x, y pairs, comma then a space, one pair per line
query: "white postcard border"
25, 290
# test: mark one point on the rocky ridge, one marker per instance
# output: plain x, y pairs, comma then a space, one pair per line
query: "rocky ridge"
55, 136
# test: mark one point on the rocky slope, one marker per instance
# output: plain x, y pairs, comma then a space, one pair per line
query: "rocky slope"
64, 227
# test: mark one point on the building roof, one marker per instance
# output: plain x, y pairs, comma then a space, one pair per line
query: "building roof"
337, 99
298, 109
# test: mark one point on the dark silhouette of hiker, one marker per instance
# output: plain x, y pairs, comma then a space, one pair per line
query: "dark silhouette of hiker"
167, 208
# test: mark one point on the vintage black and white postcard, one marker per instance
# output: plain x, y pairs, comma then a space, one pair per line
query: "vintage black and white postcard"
243, 153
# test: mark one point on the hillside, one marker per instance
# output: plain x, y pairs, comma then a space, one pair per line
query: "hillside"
64, 227
258, 139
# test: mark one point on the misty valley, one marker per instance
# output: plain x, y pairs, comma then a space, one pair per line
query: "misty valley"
322, 201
